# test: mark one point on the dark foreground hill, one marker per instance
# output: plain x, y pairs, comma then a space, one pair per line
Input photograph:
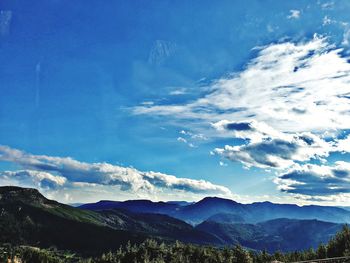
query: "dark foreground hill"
198, 212
27, 217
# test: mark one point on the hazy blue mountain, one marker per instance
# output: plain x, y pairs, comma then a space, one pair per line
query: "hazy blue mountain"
180, 203
140, 206
208, 207
157, 225
278, 234
226, 218
345, 207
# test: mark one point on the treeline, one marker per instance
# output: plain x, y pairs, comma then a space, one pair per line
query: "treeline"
152, 251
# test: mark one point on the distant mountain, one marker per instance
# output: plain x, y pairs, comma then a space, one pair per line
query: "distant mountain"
208, 207
278, 234
139, 206
180, 203
226, 218
345, 207
27, 217
267, 211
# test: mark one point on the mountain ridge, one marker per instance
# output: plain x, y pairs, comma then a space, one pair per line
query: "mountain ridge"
197, 212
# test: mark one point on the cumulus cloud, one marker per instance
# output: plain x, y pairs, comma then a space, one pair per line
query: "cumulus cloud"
343, 145
34, 178
250, 129
267, 148
65, 171
286, 86
315, 181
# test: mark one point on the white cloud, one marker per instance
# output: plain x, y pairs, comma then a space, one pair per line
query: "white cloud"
327, 5
327, 21
294, 14
183, 140
67, 172
221, 163
343, 145
268, 148
286, 86
346, 36
147, 103
179, 91
34, 178
250, 129
316, 181
191, 138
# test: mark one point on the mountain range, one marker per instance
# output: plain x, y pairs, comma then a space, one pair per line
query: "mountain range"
195, 213
27, 217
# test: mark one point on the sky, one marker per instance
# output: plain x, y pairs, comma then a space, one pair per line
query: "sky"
164, 100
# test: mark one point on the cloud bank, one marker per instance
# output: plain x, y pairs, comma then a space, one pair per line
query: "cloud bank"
320, 182
54, 172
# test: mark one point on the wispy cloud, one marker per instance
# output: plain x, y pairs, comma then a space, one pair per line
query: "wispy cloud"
327, 5
183, 140
67, 172
160, 51
5, 22
191, 138
287, 86
178, 91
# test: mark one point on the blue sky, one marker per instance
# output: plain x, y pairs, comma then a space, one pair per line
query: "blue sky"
242, 99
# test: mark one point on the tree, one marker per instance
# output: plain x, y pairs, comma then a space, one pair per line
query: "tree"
340, 244
241, 255
321, 251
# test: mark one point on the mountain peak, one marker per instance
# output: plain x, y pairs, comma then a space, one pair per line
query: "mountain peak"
25, 195
214, 199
